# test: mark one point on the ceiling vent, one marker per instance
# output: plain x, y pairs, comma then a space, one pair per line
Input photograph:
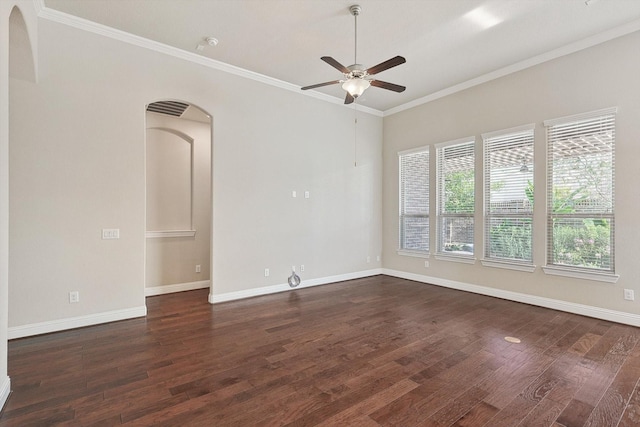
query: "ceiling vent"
170, 108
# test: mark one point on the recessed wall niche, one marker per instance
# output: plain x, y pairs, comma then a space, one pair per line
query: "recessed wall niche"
169, 155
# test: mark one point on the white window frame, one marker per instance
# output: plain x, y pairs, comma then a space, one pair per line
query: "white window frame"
515, 145
441, 215
403, 202
580, 272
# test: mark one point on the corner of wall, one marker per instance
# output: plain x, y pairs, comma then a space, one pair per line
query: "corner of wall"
5, 389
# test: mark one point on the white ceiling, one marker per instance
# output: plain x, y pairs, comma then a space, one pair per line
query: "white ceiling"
446, 50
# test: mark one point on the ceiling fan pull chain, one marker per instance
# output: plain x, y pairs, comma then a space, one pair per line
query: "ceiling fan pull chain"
355, 135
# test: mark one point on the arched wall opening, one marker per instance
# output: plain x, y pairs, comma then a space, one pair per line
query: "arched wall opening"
178, 231
18, 60
22, 64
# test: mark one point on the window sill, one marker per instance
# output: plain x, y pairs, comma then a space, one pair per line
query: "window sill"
600, 277
456, 258
417, 254
170, 233
528, 268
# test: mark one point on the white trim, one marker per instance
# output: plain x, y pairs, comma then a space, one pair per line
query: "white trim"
75, 322
103, 30
588, 42
5, 389
513, 130
586, 275
177, 287
169, 233
189, 140
455, 258
89, 26
570, 307
254, 292
581, 116
464, 140
518, 266
39, 5
416, 254
422, 149
175, 132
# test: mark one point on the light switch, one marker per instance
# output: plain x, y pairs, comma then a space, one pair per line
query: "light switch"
110, 233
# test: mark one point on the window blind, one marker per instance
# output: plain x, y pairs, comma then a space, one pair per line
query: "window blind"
508, 194
455, 172
414, 200
580, 200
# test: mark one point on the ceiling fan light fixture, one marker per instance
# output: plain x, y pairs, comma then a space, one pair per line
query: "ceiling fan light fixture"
357, 77
356, 86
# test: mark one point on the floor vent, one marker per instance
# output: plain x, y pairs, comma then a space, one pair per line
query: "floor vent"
170, 108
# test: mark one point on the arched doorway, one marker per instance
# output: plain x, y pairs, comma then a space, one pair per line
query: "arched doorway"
17, 61
178, 197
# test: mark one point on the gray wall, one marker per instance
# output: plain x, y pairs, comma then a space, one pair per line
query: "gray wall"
599, 77
77, 166
18, 59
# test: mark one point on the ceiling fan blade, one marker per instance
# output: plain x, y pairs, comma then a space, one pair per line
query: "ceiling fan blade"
386, 85
335, 64
389, 63
321, 84
349, 99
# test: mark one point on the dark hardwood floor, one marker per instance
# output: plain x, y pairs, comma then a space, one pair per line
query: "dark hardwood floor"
379, 351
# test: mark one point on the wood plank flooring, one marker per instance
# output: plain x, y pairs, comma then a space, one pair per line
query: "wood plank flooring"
378, 351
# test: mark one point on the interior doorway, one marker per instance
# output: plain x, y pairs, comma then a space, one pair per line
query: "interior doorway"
17, 54
178, 160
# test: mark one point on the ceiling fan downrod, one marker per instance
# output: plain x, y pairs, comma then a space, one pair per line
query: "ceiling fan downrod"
355, 11
357, 77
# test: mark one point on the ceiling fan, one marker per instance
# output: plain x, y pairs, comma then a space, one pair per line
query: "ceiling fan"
357, 78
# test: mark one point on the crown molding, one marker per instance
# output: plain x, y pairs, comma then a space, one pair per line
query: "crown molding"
106, 31
39, 6
597, 39
93, 27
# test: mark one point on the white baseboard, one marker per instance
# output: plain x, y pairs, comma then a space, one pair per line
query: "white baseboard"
5, 389
178, 287
230, 296
570, 307
75, 322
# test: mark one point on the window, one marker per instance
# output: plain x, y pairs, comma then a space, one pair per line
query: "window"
455, 172
580, 200
508, 195
414, 200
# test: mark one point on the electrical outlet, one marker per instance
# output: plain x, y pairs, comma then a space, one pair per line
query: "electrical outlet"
368, 259
293, 268
301, 268
426, 264
628, 294
266, 272
198, 268
378, 258
74, 296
